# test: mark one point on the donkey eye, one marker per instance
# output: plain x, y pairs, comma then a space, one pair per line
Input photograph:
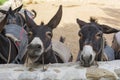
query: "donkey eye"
98, 35
80, 34
49, 34
30, 33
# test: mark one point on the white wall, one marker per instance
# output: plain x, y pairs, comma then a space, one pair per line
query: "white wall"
68, 71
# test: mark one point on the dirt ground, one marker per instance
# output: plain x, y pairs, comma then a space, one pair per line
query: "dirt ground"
106, 11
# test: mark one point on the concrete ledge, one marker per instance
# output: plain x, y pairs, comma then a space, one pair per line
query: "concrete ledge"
69, 71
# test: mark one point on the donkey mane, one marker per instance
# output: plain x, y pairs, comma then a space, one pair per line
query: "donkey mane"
42, 23
93, 20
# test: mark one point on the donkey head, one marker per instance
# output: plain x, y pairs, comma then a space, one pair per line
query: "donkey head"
91, 41
16, 16
40, 35
12, 17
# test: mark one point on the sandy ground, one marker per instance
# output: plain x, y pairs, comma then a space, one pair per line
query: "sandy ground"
106, 11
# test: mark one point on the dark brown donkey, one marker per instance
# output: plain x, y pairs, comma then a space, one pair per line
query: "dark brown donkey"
17, 17
42, 49
92, 44
11, 51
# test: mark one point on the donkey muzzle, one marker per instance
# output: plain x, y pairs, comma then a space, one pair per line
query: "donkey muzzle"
87, 56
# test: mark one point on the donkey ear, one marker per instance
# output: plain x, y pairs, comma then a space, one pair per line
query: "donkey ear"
18, 9
108, 30
29, 21
10, 11
56, 19
3, 11
3, 22
80, 22
6, 12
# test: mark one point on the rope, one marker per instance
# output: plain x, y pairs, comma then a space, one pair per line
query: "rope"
55, 57
102, 47
9, 52
27, 57
102, 50
50, 47
104, 56
8, 55
3, 57
43, 63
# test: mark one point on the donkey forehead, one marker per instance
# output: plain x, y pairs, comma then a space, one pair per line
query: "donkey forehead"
45, 28
41, 30
90, 29
11, 16
40, 33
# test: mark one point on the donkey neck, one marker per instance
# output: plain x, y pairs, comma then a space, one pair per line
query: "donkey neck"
101, 51
49, 56
5, 44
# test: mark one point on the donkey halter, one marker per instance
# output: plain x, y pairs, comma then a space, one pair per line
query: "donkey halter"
104, 56
46, 50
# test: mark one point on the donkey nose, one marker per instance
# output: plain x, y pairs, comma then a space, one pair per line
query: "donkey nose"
38, 46
86, 60
34, 46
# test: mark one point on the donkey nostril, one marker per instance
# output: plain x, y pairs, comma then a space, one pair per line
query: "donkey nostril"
29, 46
90, 58
86, 59
38, 46
82, 57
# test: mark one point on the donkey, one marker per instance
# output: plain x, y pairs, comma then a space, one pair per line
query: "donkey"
42, 49
93, 46
116, 45
17, 16
10, 51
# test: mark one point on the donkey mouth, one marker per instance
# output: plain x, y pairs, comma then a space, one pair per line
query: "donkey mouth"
86, 65
34, 53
